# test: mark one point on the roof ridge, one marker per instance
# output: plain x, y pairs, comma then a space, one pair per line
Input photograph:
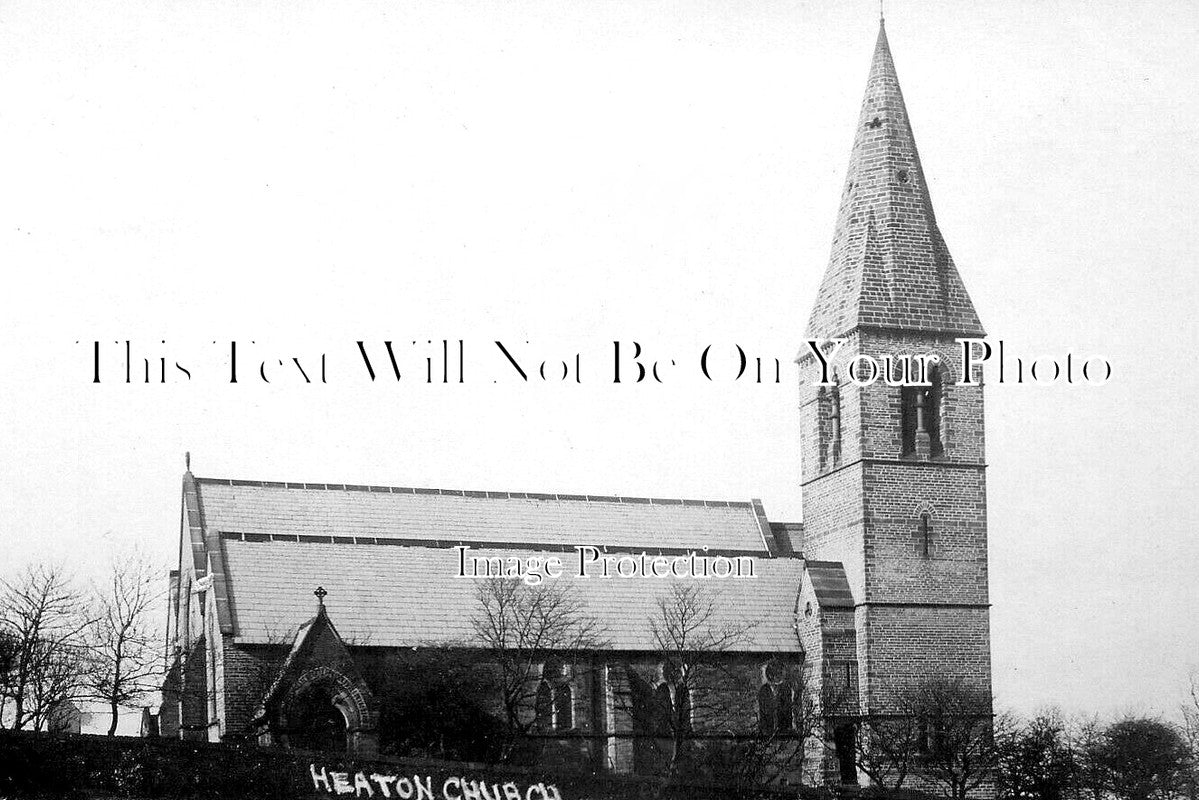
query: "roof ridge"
446, 543
493, 495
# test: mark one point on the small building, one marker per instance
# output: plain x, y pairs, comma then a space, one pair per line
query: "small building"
148, 726
65, 717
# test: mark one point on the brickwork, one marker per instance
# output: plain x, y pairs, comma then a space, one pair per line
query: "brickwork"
193, 696
961, 410
906, 645
168, 715
833, 517
894, 477
955, 571
248, 672
216, 671
889, 266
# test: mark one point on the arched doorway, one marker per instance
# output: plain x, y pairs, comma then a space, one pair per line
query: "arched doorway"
319, 699
316, 721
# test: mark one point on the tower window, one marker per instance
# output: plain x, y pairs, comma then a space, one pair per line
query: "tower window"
925, 540
828, 412
823, 433
835, 421
920, 417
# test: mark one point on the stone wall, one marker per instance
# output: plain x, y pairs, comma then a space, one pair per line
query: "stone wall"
40, 765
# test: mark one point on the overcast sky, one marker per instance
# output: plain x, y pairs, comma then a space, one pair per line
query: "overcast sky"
305, 175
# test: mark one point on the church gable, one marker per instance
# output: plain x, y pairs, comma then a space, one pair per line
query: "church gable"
201, 564
319, 692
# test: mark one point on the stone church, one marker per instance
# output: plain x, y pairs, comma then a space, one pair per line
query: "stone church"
291, 600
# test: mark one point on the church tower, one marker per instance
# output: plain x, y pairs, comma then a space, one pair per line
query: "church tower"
894, 491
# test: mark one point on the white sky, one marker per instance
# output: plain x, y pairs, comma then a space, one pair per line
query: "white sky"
304, 175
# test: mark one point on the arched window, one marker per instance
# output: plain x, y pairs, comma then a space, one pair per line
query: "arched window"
786, 719
663, 711
907, 418
932, 409
835, 420
828, 414
544, 707
822, 426
563, 707
767, 710
931, 736
920, 416
924, 539
645, 756
683, 703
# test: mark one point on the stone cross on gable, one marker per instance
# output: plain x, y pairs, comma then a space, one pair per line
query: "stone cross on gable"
320, 595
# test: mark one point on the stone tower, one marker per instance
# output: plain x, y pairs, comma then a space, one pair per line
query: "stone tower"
894, 491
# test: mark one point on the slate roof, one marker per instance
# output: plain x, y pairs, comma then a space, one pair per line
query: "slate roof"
830, 584
467, 516
389, 596
386, 556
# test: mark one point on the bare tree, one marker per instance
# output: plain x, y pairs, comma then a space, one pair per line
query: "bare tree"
887, 747
8, 659
520, 626
712, 713
690, 634
123, 638
956, 726
42, 619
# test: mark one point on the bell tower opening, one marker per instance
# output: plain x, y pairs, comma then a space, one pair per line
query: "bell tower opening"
920, 418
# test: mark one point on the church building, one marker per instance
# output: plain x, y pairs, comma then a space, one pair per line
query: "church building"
295, 606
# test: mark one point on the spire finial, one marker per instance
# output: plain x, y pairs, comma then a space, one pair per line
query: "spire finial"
882, 19
320, 595
187, 461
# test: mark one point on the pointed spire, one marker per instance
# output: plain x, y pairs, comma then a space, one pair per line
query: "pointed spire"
889, 266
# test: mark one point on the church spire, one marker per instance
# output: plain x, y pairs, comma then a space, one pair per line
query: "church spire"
889, 267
